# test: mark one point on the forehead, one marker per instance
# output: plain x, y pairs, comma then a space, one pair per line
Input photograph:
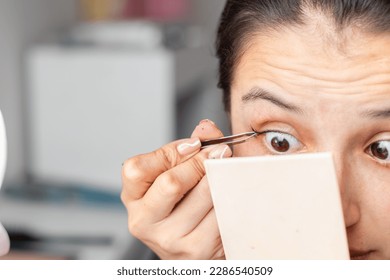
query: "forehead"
303, 61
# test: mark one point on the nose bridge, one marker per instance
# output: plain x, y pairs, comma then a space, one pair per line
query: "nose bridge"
348, 184
334, 124
334, 138
342, 169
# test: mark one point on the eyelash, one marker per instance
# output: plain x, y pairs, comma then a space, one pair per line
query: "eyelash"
264, 133
267, 131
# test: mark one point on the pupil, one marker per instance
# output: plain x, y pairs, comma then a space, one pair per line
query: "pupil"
280, 146
378, 150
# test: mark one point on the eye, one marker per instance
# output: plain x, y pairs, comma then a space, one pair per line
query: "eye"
282, 142
380, 150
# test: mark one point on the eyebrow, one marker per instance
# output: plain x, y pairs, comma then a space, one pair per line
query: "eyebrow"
257, 93
377, 114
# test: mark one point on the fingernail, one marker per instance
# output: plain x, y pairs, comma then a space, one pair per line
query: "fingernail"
207, 121
221, 151
189, 146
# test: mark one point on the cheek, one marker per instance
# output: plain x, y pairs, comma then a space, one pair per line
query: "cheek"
373, 186
383, 200
378, 211
247, 149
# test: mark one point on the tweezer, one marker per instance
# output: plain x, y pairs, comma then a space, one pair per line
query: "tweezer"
230, 140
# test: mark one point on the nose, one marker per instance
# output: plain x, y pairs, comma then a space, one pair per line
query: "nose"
348, 183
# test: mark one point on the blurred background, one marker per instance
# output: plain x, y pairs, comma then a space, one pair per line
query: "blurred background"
84, 85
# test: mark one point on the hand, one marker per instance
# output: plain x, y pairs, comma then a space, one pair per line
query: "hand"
168, 198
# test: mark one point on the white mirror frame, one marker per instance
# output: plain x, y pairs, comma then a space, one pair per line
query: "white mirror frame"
4, 239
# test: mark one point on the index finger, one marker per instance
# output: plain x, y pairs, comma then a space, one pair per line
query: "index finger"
138, 173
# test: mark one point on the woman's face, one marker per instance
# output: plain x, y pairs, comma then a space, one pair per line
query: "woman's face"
324, 94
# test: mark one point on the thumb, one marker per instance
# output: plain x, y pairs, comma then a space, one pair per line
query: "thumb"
206, 130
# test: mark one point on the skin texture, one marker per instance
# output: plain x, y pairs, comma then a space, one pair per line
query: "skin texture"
322, 92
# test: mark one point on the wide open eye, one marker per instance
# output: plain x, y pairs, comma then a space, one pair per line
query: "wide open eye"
282, 142
380, 150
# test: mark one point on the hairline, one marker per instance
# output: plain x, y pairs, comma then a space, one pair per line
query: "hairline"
259, 27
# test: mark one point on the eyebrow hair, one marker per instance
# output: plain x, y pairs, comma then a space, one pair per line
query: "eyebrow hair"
378, 114
259, 93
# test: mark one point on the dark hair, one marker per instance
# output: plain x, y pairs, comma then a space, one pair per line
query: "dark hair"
243, 18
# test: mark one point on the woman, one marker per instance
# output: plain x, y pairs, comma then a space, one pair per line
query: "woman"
316, 71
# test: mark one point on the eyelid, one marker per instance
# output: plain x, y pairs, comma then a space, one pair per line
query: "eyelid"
277, 130
384, 136
380, 137
264, 133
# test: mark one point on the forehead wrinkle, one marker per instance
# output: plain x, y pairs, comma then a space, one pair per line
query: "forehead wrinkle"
333, 70
299, 84
294, 65
360, 78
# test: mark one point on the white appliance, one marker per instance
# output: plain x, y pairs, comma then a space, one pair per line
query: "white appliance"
90, 108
